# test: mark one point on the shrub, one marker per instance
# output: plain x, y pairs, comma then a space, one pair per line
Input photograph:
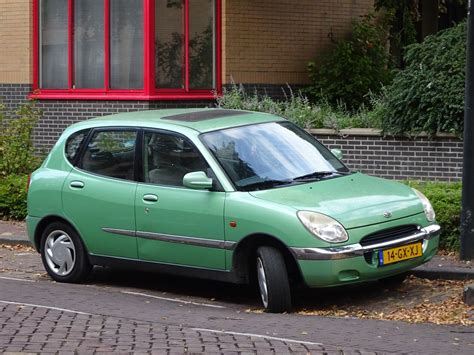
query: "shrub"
298, 109
429, 94
16, 145
13, 196
355, 66
446, 201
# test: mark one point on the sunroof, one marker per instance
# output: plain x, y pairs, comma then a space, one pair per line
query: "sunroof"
203, 115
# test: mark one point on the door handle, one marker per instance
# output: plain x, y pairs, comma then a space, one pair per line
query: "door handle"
150, 198
77, 184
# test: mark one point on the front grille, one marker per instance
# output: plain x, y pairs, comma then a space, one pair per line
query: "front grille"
388, 235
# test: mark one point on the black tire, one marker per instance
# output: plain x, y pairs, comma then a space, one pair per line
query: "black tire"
394, 281
70, 254
275, 279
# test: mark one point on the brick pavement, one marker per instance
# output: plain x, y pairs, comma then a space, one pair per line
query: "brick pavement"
39, 330
22, 280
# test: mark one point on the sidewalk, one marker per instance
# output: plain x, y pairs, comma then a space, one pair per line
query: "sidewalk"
440, 267
13, 233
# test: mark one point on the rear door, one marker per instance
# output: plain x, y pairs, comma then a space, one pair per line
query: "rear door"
99, 193
177, 225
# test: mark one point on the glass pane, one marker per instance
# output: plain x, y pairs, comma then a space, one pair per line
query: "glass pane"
111, 153
202, 44
53, 44
126, 44
169, 41
168, 158
89, 44
73, 144
278, 152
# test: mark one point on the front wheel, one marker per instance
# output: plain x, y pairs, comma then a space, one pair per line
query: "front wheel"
273, 280
63, 254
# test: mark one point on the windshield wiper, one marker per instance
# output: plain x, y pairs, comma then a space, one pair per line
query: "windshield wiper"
265, 184
319, 175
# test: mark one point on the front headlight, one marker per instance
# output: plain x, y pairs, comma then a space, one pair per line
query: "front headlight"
429, 211
323, 227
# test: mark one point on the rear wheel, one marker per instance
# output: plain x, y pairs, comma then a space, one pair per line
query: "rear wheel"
273, 282
63, 254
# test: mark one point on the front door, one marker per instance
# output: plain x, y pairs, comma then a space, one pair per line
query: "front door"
177, 225
99, 194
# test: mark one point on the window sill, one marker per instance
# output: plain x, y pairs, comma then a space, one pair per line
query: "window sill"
122, 96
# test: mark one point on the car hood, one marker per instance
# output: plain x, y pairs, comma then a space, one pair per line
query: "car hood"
355, 200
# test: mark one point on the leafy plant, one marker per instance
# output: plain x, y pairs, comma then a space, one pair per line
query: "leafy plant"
13, 196
16, 144
446, 201
355, 67
298, 109
429, 94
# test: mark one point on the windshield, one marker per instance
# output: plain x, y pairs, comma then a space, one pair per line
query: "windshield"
268, 155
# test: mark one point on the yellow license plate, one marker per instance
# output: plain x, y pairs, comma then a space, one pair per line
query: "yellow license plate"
404, 252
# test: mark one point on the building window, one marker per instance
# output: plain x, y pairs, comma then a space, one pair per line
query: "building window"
89, 51
126, 49
53, 44
126, 44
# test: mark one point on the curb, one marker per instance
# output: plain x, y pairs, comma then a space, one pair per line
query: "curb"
11, 241
468, 295
451, 273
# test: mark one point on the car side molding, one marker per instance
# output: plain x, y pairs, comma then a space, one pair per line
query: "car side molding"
178, 239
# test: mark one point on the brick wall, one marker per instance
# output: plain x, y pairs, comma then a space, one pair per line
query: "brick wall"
266, 41
364, 150
275, 91
271, 41
59, 114
398, 158
15, 41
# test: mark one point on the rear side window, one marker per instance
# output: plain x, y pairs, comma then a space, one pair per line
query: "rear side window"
111, 153
73, 145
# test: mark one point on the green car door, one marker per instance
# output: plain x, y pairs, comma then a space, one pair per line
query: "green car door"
175, 224
99, 194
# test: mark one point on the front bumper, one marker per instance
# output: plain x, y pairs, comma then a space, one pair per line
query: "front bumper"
326, 267
354, 250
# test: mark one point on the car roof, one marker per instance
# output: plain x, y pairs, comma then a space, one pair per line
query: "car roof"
201, 120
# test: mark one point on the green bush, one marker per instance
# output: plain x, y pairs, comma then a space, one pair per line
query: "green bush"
13, 196
298, 109
446, 201
16, 145
428, 95
17, 158
355, 67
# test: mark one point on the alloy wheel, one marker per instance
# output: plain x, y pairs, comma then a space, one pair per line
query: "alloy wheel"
60, 253
262, 282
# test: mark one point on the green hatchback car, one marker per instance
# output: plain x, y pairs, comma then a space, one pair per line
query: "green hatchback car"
228, 195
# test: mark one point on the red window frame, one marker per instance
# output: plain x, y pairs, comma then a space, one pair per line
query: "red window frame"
149, 91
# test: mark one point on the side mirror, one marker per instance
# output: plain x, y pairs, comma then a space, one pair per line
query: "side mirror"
197, 180
337, 153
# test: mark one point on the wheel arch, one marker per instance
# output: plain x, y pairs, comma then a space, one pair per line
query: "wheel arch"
245, 253
45, 222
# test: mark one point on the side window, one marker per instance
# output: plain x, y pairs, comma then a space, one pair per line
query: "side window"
111, 153
73, 144
167, 158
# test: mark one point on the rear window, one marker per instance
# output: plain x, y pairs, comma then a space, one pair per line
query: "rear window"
111, 153
74, 143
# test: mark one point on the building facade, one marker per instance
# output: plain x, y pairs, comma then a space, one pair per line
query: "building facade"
84, 58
